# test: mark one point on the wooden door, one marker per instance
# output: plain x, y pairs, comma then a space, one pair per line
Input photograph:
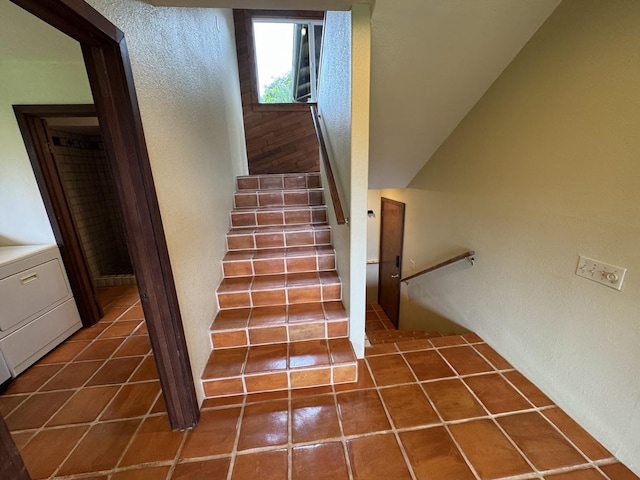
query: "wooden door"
390, 272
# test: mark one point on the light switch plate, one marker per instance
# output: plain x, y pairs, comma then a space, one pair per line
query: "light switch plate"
604, 273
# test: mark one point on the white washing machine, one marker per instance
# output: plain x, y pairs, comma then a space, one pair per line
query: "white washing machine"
37, 308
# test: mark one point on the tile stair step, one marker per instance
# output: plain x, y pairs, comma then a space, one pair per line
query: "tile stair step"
279, 260
262, 368
278, 215
282, 289
251, 238
287, 197
278, 324
287, 181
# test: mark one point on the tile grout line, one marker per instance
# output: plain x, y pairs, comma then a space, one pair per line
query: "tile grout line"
472, 469
513, 443
96, 420
289, 429
343, 439
392, 423
74, 389
236, 441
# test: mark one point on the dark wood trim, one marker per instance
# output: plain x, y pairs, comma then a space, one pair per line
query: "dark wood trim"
76, 18
288, 14
55, 201
326, 162
281, 107
109, 71
11, 464
251, 53
468, 254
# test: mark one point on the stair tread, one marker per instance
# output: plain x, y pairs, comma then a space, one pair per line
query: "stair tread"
279, 208
301, 227
266, 359
250, 191
282, 280
272, 253
274, 315
278, 181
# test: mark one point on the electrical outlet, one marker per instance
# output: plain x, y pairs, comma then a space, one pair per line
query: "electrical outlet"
601, 272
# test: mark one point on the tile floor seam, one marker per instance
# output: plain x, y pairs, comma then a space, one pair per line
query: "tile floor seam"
289, 433
99, 415
566, 437
566, 469
393, 429
176, 457
236, 440
343, 439
97, 421
601, 471
442, 421
492, 417
144, 418
487, 359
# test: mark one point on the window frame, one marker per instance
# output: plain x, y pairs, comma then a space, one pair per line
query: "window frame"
280, 15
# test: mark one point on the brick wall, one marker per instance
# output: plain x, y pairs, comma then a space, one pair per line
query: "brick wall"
82, 165
280, 139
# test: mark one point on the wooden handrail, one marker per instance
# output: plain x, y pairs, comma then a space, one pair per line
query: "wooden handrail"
470, 254
324, 155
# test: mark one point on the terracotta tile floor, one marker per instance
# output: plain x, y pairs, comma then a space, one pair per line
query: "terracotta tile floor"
446, 408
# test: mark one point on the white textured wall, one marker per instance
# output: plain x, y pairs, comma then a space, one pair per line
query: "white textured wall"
544, 168
185, 71
360, 87
23, 219
373, 245
334, 109
343, 104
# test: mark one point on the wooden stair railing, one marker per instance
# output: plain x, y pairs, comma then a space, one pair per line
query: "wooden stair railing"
469, 254
324, 156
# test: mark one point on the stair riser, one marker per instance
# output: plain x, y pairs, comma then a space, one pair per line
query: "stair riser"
284, 380
272, 266
278, 217
280, 296
278, 182
278, 198
279, 334
256, 240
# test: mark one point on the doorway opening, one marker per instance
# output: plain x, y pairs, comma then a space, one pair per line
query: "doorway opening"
110, 77
80, 158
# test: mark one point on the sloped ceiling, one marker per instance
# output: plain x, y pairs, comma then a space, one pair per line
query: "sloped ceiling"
431, 61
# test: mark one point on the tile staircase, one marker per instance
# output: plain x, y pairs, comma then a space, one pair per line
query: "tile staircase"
281, 322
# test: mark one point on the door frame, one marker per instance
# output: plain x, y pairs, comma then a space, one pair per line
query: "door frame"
384, 200
33, 131
109, 71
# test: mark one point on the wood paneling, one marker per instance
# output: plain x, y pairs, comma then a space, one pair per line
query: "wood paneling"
279, 138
